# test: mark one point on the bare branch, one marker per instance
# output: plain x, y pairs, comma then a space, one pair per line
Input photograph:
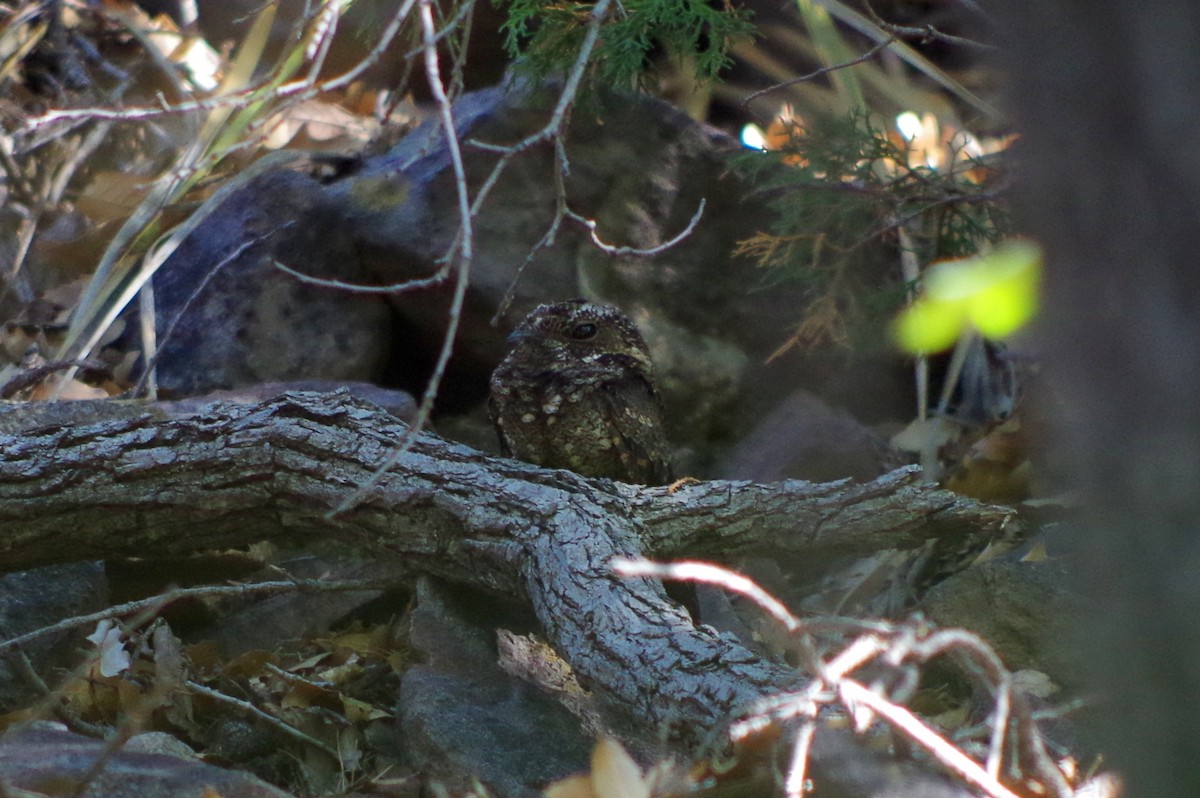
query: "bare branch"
246, 708
853, 693
867, 56
892, 645
590, 224
154, 603
300, 90
227, 474
416, 284
461, 255
926, 33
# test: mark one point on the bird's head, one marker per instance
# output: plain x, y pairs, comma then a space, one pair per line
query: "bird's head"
579, 332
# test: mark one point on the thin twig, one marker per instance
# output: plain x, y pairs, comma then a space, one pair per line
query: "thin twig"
91, 142
326, 25
152, 357
563, 167
552, 130
169, 596
926, 33
30, 377
896, 647
712, 575
417, 284
854, 693
567, 99
797, 776
369, 60
735, 583
1032, 750
299, 90
867, 56
462, 253
590, 224
999, 727
451, 25
250, 709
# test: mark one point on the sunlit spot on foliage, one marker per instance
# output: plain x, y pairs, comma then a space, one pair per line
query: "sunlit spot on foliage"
783, 135
909, 125
995, 293
932, 144
753, 137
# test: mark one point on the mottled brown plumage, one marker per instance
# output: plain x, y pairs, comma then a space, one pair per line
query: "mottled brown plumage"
577, 392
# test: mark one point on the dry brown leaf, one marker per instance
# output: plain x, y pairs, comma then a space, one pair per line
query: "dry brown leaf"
361, 712
112, 196
615, 774
313, 124
1037, 553
929, 434
1034, 683
74, 390
996, 468
251, 663
570, 787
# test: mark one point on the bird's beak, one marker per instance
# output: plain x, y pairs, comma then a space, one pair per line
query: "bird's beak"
518, 335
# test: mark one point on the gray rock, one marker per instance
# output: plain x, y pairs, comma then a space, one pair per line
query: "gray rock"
1023, 609
805, 438
44, 596
638, 167
48, 759
227, 317
463, 717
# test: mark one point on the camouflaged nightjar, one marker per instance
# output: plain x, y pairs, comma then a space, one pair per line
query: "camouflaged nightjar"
577, 392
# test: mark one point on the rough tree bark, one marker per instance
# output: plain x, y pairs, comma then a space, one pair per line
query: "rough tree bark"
232, 474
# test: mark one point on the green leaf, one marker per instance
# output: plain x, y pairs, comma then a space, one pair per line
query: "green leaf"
545, 37
995, 293
927, 326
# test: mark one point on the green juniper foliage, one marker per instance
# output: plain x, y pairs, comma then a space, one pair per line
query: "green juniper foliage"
841, 187
546, 36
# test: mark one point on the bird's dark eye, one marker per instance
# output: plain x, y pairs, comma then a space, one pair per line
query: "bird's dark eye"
584, 331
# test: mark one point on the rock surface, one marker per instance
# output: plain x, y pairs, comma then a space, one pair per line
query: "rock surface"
638, 167
464, 718
34, 599
1023, 609
50, 760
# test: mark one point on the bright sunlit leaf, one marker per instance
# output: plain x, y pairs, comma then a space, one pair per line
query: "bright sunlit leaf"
1011, 299
995, 293
930, 326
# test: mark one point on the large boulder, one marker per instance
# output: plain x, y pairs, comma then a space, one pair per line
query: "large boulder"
639, 168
